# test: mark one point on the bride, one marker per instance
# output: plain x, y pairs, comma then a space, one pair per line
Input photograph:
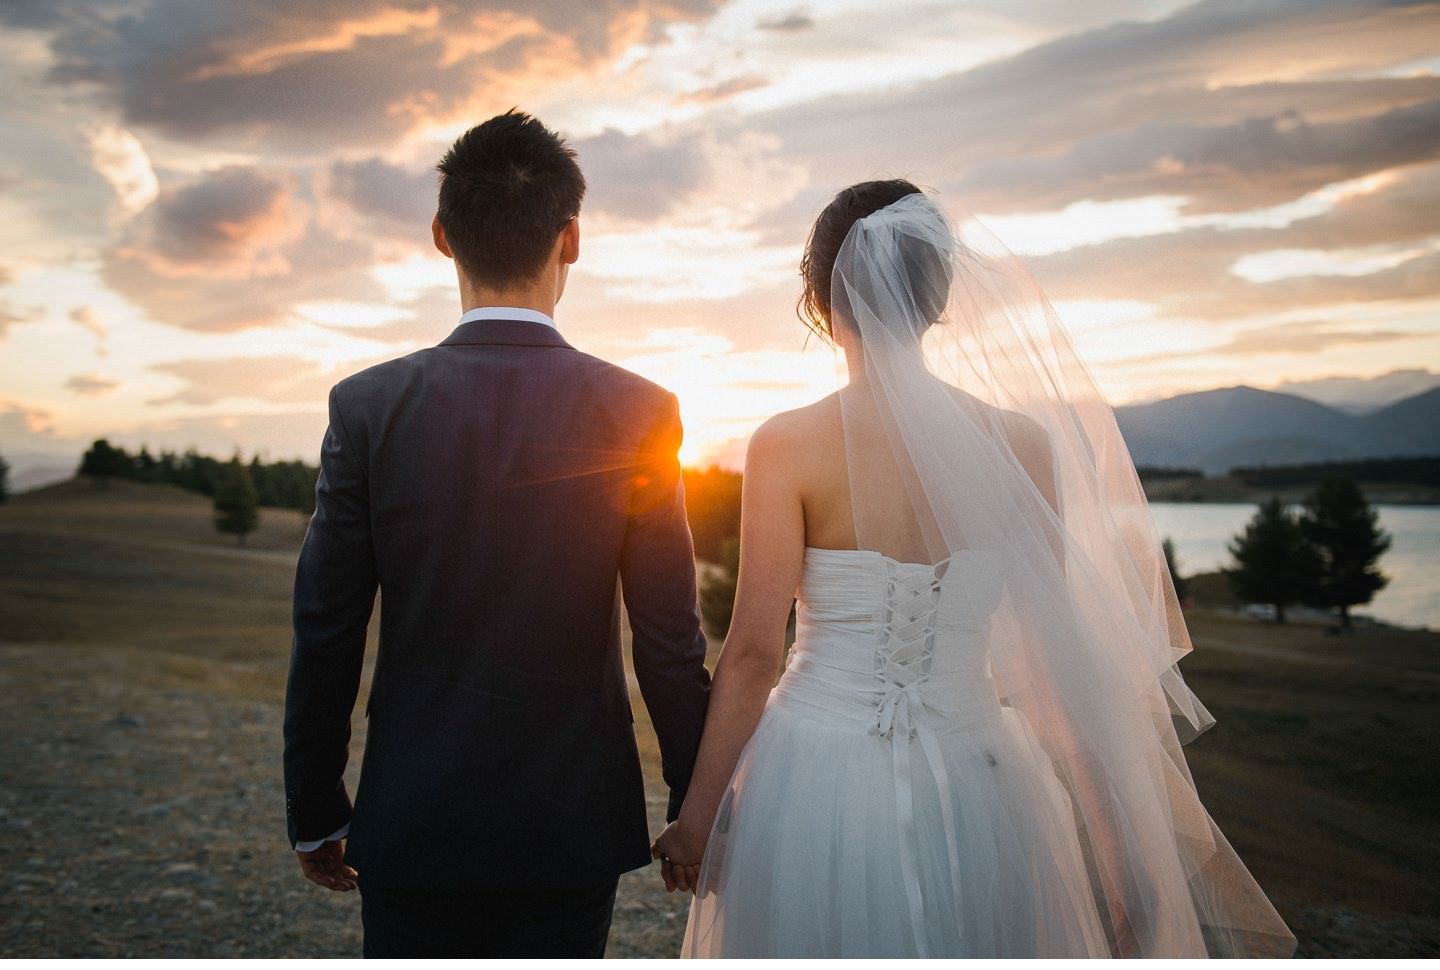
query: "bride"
974, 749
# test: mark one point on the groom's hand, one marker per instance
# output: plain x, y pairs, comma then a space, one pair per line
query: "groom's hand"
326, 867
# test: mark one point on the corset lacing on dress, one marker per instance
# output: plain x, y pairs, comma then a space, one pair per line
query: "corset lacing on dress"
866, 649
903, 661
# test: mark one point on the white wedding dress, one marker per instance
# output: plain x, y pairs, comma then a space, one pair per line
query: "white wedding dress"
887, 803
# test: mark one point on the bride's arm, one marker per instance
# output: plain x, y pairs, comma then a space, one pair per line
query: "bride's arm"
772, 553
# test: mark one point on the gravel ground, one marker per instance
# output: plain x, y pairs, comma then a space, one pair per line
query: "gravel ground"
141, 815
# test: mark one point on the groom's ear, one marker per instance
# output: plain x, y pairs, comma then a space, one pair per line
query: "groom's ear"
437, 232
570, 241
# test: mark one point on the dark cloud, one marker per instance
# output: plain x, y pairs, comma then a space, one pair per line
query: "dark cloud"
33, 14
313, 75
232, 215
788, 24
318, 266
639, 176
1110, 112
1250, 164
1190, 272
235, 249
91, 385
1404, 209
1416, 278
1319, 100
400, 200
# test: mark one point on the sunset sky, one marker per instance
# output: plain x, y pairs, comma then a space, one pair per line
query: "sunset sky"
210, 212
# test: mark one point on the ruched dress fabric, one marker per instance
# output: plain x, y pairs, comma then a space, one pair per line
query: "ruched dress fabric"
887, 804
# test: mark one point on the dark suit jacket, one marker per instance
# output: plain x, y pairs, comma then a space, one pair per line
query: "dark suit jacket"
494, 488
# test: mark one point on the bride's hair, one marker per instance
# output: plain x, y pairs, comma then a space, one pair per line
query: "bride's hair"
833, 225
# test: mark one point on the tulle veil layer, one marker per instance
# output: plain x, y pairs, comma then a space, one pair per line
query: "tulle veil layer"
967, 400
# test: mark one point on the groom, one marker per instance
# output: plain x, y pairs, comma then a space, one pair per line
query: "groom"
497, 489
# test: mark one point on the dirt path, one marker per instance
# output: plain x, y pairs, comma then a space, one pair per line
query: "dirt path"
141, 815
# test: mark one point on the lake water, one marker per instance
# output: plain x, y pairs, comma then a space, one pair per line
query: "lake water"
1201, 531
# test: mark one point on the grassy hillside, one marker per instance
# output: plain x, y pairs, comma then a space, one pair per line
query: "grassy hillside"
143, 657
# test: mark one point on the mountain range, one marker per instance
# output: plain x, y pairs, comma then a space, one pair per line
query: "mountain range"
1361, 395
1219, 429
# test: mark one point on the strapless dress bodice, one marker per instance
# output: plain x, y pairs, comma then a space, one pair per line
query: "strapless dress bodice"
886, 644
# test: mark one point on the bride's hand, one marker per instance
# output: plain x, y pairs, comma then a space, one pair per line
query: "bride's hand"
680, 853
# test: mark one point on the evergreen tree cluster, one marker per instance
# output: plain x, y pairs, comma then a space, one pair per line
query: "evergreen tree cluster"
1161, 473
1325, 555
279, 484
1388, 471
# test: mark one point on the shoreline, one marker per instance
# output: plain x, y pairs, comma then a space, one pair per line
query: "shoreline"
1209, 594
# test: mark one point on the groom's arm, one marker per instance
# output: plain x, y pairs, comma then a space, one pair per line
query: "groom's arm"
335, 584
657, 575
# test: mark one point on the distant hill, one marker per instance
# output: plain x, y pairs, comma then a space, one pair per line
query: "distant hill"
37, 476
1363, 395
1413, 422
1220, 429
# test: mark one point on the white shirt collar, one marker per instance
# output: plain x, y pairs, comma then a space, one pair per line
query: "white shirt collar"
508, 313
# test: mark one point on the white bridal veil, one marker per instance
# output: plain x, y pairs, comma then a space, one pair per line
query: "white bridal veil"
967, 398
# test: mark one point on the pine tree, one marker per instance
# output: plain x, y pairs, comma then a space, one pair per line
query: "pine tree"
4, 480
1273, 562
146, 466
1343, 529
237, 506
1168, 547
104, 461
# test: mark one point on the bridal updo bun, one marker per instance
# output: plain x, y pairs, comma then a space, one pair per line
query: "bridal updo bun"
827, 236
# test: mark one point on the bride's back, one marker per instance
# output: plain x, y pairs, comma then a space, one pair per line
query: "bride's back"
847, 473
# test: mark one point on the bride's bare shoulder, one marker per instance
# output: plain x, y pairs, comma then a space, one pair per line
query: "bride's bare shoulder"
790, 436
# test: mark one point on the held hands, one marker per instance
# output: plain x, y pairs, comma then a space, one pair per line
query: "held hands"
679, 852
326, 867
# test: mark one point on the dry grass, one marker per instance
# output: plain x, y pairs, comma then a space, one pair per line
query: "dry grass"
143, 658
1321, 771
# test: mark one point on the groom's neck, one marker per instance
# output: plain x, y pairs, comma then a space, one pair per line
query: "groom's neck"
539, 295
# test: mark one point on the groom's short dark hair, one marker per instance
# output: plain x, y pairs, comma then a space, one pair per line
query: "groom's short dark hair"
507, 188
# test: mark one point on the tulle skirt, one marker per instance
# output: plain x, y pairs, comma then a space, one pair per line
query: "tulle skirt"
832, 842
